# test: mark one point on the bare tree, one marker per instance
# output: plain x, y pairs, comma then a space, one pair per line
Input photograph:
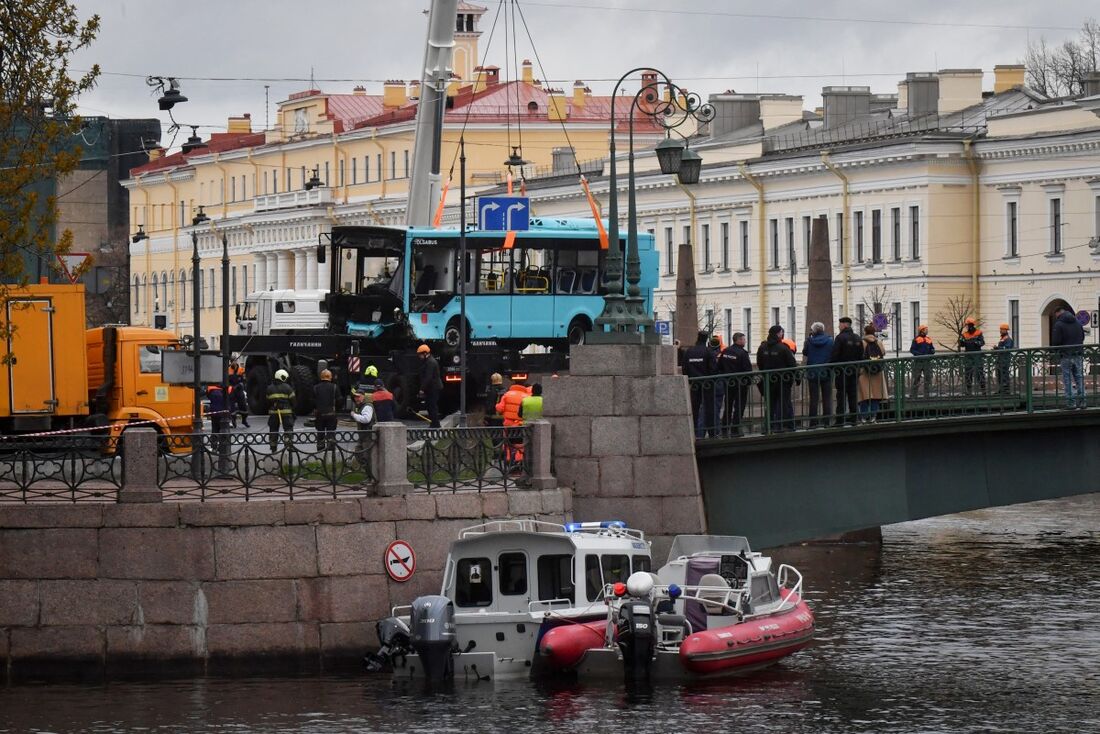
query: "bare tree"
1061, 71
953, 318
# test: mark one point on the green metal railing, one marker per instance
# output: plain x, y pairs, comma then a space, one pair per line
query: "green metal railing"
989, 383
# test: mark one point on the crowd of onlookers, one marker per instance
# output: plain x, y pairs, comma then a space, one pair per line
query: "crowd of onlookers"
845, 383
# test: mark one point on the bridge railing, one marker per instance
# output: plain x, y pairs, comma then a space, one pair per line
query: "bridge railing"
899, 390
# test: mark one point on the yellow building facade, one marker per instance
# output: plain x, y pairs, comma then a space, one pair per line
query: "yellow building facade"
335, 159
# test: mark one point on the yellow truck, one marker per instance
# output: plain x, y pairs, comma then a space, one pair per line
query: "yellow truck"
55, 374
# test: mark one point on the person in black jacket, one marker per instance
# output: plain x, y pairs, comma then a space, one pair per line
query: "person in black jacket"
431, 384
326, 398
1068, 334
733, 361
698, 362
971, 340
773, 354
847, 347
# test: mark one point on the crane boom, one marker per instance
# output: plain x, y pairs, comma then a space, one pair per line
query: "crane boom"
424, 184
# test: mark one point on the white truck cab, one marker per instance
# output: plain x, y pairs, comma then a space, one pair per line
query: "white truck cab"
262, 313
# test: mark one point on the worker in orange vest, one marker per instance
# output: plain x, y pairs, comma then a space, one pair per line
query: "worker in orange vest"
509, 404
509, 407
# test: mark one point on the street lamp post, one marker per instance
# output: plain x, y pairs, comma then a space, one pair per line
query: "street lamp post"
624, 318
225, 320
196, 417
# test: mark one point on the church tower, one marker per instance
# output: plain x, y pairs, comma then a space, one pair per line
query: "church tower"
466, 35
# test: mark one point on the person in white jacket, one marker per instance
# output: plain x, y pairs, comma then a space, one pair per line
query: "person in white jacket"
364, 417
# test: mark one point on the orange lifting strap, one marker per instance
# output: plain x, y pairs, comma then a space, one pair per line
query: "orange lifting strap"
442, 201
510, 240
595, 213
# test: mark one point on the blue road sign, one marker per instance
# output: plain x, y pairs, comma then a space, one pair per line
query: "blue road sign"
881, 321
504, 213
664, 328
1083, 318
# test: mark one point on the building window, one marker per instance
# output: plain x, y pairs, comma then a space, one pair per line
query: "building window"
726, 247
792, 328
1056, 226
687, 235
244, 280
746, 319
807, 235
914, 232
708, 320
1096, 216
304, 177
861, 316
773, 228
183, 214
775, 315
914, 316
326, 174
1014, 320
244, 188
859, 237
137, 294
706, 248
393, 164
202, 287
156, 291
406, 164
354, 170
790, 243
183, 289
340, 173
289, 186
1012, 230
729, 326
840, 238
366, 169
895, 326
213, 289
744, 228
378, 165
232, 188
895, 233
876, 235
670, 252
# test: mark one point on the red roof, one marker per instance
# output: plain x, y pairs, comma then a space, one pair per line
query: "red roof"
218, 143
499, 103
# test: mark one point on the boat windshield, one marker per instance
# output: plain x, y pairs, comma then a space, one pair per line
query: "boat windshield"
690, 545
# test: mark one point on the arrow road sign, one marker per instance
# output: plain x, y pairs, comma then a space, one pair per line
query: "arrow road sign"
507, 213
400, 561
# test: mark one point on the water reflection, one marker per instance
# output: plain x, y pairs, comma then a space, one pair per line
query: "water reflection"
980, 622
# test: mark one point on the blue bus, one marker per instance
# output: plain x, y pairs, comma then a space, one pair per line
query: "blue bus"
393, 284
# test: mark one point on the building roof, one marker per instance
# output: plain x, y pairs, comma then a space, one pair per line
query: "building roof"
218, 143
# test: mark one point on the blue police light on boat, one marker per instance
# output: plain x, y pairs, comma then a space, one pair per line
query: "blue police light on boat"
573, 527
674, 591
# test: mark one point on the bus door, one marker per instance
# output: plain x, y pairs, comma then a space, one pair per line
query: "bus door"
577, 284
533, 293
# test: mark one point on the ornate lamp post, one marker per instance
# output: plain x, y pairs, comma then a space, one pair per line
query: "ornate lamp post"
196, 314
624, 319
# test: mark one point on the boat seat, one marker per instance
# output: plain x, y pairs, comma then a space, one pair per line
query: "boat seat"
672, 628
717, 599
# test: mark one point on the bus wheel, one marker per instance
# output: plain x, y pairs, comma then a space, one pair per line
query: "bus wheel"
578, 330
256, 382
452, 335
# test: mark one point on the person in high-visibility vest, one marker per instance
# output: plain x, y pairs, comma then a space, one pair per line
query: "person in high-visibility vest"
530, 408
238, 399
280, 409
509, 406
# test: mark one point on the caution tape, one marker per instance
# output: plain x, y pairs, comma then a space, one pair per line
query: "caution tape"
146, 421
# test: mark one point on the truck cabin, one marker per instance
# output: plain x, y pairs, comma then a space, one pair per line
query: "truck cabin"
367, 273
282, 312
522, 573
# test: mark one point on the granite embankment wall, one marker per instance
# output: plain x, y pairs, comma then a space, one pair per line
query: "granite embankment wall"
221, 586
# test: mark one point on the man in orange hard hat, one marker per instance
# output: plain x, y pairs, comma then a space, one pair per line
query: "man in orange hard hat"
971, 340
1004, 360
431, 383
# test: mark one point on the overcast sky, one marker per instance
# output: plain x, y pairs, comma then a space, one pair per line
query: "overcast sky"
706, 45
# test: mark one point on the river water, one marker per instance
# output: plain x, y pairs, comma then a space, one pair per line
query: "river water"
982, 622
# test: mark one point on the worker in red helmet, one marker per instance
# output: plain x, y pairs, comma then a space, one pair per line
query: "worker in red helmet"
431, 384
1004, 360
922, 346
971, 340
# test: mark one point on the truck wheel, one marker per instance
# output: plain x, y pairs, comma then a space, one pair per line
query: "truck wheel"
401, 387
303, 380
256, 381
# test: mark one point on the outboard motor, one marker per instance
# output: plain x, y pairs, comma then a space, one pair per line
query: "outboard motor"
433, 635
635, 626
393, 641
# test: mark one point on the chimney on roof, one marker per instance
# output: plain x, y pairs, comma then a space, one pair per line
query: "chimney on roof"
844, 104
733, 112
883, 102
414, 89
578, 94
562, 160
492, 75
1090, 84
240, 125
1007, 76
555, 105
156, 153
779, 109
479, 79
923, 93
359, 90
394, 94
903, 95
527, 72
959, 88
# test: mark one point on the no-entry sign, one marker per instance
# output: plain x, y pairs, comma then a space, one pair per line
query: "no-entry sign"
400, 560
